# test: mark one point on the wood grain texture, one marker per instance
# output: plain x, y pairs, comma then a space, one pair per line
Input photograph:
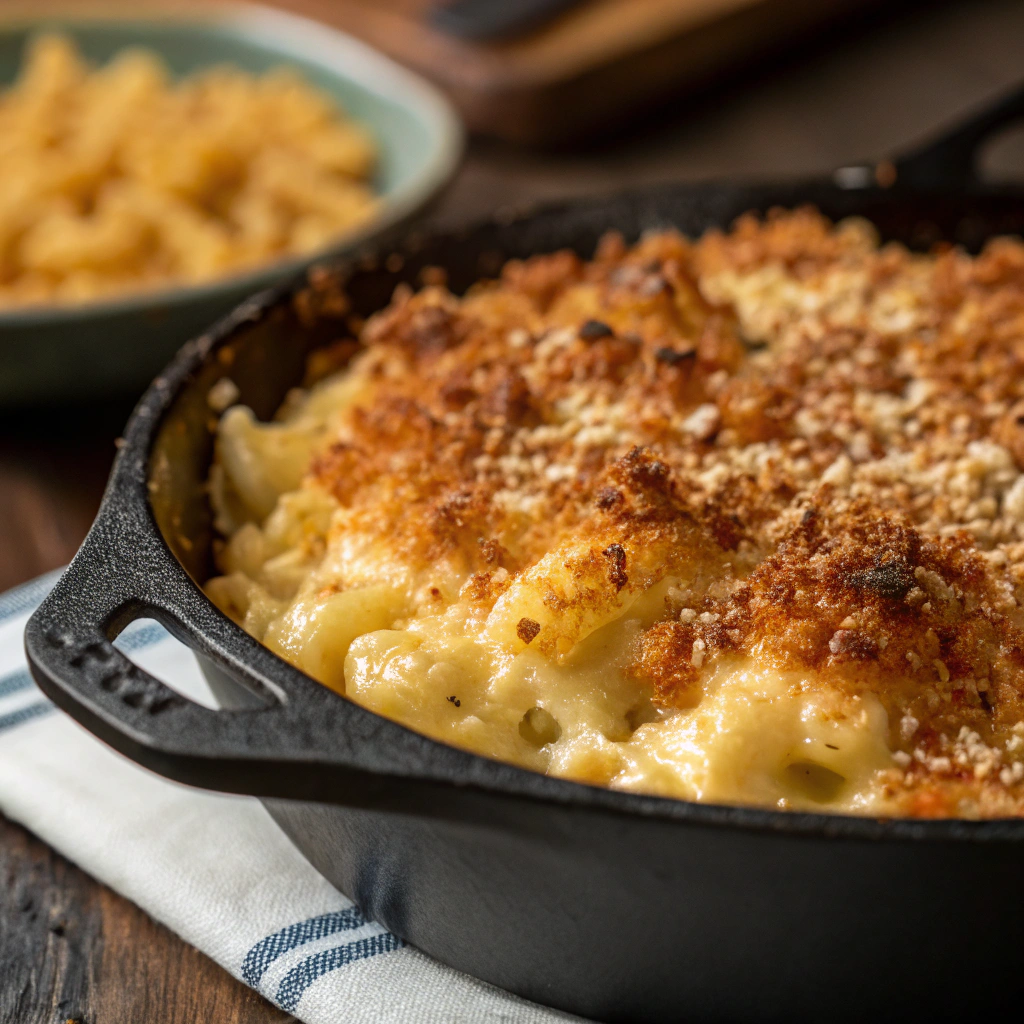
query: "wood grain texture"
69, 948
53, 465
591, 67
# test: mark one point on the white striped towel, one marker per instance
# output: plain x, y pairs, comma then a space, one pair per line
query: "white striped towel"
213, 868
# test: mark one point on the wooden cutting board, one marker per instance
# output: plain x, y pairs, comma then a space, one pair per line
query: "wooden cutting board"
588, 69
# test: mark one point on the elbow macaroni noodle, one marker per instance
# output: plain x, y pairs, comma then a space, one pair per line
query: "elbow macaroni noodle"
117, 179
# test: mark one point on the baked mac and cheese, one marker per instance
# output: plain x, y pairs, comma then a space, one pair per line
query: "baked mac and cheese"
736, 520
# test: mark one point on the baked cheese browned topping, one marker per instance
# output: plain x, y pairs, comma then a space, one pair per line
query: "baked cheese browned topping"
818, 439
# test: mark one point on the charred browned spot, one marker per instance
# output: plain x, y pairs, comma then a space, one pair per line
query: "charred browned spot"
593, 330
892, 579
616, 554
527, 630
608, 497
676, 357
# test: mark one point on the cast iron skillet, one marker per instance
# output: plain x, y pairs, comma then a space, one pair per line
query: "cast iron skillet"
609, 904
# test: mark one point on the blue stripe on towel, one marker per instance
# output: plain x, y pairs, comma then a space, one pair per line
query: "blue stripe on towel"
15, 682
27, 596
300, 977
25, 714
267, 950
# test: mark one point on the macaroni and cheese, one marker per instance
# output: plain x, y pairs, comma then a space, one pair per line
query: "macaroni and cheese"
737, 520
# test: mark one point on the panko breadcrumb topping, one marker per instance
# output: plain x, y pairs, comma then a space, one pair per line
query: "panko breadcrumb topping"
824, 437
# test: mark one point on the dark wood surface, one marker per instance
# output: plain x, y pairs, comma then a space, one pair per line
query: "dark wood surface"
71, 949
594, 63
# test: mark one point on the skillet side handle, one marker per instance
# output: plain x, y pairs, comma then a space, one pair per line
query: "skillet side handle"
950, 161
294, 739
68, 644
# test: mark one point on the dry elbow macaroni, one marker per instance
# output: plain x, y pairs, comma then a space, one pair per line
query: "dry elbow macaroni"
117, 179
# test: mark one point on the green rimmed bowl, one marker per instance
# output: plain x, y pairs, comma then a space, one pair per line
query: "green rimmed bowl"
114, 346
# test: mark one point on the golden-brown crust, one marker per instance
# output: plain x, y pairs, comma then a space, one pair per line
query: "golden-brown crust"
823, 434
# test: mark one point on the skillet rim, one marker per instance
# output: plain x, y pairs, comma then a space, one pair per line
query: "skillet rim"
493, 778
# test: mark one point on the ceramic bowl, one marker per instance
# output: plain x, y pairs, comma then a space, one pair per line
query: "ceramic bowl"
114, 346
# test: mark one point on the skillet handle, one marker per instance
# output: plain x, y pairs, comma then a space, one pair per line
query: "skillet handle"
123, 572
950, 161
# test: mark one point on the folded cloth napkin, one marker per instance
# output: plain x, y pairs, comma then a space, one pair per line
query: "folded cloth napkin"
213, 868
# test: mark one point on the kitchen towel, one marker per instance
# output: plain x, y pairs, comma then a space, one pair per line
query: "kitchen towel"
215, 869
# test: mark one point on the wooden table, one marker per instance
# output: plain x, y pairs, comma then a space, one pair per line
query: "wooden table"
71, 949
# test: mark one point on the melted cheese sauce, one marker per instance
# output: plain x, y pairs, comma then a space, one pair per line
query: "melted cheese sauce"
755, 735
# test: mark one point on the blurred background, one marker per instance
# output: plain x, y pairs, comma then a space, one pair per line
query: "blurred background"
561, 98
